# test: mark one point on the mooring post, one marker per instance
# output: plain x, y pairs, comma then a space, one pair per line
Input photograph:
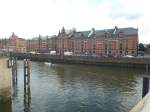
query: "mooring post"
146, 68
14, 70
8, 63
26, 74
145, 86
27, 96
11, 60
28, 70
27, 101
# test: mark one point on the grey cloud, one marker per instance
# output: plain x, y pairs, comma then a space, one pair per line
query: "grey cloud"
120, 10
127, 15
133, 16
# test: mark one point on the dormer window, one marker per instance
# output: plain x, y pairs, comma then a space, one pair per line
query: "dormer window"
115, 30
107, 34
92, 33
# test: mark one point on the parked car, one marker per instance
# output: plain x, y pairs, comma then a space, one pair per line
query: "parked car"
32, 52
128, 56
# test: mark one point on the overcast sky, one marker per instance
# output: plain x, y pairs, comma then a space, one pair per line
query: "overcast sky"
28, 18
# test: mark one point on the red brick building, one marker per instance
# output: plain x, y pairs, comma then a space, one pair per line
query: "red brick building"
4, 44
41, 44
112, 42
115, 42
16, 44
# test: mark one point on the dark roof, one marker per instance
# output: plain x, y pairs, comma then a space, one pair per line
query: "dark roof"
129, 31
82, 33
101, 33
41, 37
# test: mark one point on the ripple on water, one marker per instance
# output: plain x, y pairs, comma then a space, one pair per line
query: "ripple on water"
79, 88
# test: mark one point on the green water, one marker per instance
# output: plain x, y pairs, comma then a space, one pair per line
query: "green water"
77, 88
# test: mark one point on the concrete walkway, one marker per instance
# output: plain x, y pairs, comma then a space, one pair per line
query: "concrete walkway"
143, 105
5, 81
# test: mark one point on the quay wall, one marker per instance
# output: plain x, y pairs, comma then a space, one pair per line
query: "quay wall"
93, 60
113, 62
5, 81
143, 105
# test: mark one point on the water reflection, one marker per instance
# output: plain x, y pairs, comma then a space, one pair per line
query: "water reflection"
6, 107
14, 90
27, 100
99, 88
123, 79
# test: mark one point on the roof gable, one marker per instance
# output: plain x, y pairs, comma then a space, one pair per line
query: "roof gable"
112, 32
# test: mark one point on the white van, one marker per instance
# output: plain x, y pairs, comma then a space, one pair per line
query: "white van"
68, 53
52, 52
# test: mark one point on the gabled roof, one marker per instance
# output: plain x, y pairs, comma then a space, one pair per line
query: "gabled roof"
101, 33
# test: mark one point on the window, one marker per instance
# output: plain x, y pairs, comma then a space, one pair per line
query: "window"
94, 44
120, 46
105, 45
120, 52
132, 52
94, 50
109, 52
81, 44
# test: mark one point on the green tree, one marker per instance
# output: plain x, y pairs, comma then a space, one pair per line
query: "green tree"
141, 47
148, 46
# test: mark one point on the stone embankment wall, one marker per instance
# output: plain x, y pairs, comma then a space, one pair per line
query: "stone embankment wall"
143, 105
5, 81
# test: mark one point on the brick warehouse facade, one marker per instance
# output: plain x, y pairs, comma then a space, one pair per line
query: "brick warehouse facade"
108, 42
39, 44
16, 44
113, 42
13, 44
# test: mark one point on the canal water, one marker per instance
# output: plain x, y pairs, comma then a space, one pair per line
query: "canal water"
76, 88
